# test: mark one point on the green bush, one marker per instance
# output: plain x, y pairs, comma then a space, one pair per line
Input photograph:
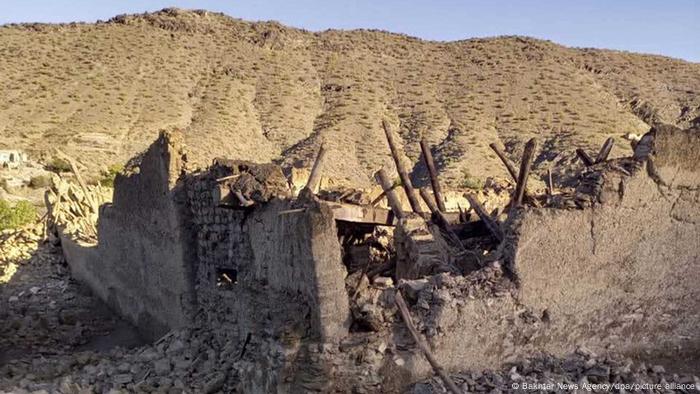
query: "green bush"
58, 165
16, 216
109, 175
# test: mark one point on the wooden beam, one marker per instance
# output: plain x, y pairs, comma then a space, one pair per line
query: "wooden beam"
605, 150
506, 162
403, 174
394, 202
525, 165
583, 156
439, 218
315, 176
490, 224
361, 214
432, 171
406, 316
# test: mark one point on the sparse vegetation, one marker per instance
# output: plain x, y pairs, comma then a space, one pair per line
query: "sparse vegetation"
16, 215
240, 99
109, 174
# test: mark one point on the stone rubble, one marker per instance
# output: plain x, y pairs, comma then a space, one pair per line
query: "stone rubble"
582, 371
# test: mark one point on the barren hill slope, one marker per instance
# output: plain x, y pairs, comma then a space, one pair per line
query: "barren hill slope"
262, 91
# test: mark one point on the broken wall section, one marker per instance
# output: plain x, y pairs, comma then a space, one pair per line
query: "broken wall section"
271, 270
630, 260
142, 265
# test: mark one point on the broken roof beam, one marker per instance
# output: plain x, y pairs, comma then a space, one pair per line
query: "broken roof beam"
315, 177
432, 171
361, 214
584, 157
605, 150
403, 174
524, 174
394, 202
491, 224
504, 159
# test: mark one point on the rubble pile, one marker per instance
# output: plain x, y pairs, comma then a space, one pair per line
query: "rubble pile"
75, 207
583, 371
16, 247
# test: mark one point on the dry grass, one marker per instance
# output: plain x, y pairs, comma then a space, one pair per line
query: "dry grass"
262, 91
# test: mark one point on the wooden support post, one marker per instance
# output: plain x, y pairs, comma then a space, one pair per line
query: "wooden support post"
490, 224
406, 315
405, 180
432, 171
394, 202
525, 165
315, 177
587, 161
506, 162
605, 150
550, 184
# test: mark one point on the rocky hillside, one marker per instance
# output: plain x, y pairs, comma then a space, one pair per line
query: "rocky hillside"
262, 91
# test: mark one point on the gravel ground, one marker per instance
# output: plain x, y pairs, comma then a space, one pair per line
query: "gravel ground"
583, 371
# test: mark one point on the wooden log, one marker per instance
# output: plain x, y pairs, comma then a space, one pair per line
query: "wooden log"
605, 150
403, 174
525, 165
406, 315
361, 214
506, 162
432, 171
394, 202
315, 177
490, 224
439, 218
583, 156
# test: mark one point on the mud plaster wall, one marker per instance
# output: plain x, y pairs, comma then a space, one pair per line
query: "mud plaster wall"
288, 268
142, 263
631, 261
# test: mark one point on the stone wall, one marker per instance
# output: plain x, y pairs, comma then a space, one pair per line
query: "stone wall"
285, 263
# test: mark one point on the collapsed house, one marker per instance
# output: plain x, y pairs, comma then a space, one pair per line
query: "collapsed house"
304, 289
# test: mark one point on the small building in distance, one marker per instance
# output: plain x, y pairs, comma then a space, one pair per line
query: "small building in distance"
12, 158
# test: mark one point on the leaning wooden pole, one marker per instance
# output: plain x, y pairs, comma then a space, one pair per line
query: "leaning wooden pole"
506, 162
440, 218
316, 170
525, 165
490, 224
406, 315
605, 150
405, 180
583, 156
388, 188
432, 171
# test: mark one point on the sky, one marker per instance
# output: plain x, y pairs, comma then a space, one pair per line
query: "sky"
664, 27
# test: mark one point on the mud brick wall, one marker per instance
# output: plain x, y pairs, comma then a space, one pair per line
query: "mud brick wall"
287, 267
630, 260
142, 263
